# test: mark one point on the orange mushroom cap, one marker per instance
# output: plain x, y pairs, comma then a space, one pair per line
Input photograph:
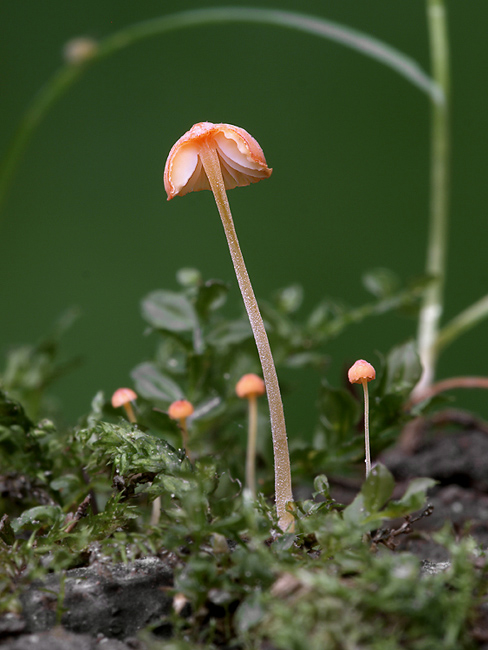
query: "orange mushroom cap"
361, 371
182, 408
123, 396
241, 158
250, 385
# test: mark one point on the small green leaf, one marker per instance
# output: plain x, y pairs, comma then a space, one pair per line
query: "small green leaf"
189, 277
211, 296
377, 489
403, 368
413, 499
67, 484
38, 516
339, 411
321, 486
96, 409
249, 613
354, 513
381, 282
230, 333
151, 384
12, 413
168, 310
289, 299
6, 532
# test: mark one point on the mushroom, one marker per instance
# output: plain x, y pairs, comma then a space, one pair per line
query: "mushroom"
360, 373
124, 397
220, 157
180, 411
250, 387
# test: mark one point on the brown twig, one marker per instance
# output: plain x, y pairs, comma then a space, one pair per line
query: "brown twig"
79, 514
447, 384
387, 536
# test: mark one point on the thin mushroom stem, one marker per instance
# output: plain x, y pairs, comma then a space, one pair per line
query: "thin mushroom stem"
179, 411
130, 413
251, 445
360, 373
185, 439
366, 428
283, 491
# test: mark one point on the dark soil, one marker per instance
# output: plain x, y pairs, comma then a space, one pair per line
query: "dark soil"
106, 606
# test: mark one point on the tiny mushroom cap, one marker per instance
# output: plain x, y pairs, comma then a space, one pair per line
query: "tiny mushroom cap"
360, 372
180, 409
123, 396
241, 159
250, 385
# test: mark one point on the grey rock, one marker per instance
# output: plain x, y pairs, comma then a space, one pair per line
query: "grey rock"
60, 639
116, 601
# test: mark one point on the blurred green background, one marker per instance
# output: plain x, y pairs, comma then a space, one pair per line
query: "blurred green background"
86, 220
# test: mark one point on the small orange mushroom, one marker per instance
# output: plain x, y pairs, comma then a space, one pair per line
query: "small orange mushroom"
232, 150
250, 387
124, 397
180, 411
220, 157
360, 373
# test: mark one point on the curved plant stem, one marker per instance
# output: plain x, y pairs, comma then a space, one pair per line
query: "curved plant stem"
432, 307
448, 384
461, 323
283, 491
62, 80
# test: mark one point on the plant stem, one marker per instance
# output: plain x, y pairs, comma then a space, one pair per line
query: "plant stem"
251, 445
366, 428
283, 491
449, 384
432, 306
461, 323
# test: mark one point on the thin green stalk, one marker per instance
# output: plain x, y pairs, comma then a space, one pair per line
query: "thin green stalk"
64, 78
433, 302
463, 322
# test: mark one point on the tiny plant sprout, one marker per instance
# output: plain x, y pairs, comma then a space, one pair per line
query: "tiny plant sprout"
180, 411
124, 397
219, 157
250, 387
360, 373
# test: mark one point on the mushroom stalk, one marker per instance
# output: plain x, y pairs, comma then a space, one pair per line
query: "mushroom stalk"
366, 428
185, 439
360, 373
250, 387
180, 411
251, 445
283, 491
130, 413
